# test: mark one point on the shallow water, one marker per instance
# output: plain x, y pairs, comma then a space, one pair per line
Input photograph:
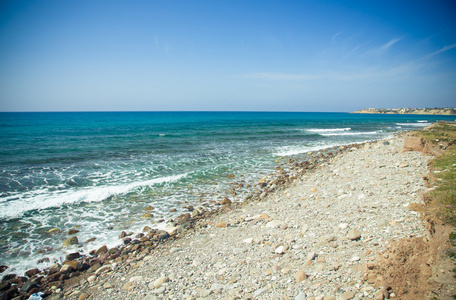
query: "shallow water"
97, 172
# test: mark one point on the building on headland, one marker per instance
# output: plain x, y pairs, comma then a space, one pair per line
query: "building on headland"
415, 111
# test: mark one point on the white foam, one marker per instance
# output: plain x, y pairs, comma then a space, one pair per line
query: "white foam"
349, 133
14, 207
293, 150
421, 124
318, 130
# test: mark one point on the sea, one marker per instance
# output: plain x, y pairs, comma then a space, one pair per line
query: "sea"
97, 172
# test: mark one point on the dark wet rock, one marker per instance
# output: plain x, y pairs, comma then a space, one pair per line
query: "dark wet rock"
53, 277
19, 280
94, 267
74, 274
32, 272
72, 231
53, 270
8, 277
73, 256
12, 292
101, 250
28, 286
94, 261
127, 241
90, 240
3, 268
83, 267
122, 235
44, 260
5, 285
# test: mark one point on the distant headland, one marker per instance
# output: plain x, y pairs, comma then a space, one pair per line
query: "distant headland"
414, 111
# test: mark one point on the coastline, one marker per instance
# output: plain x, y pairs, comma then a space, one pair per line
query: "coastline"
297, 237
407, 111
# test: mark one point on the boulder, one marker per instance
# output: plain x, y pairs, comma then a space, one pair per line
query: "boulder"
70, 241
101, 250
184, 218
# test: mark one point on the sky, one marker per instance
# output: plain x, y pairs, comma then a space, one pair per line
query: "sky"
193, 55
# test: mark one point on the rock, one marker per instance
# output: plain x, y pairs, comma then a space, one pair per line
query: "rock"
330, 297
147, 229
225, 201
149, 208
231, 176
259, 292
122, 235
354, 234
104, 269
343, 225
83, 296
93, 268
73, 256
280, 250
274, 224
379, 295
147, 216
220, 225
173, 229
101, 250
301, 296
258, 240
70, 241
160, 290
137, 279
92, 278
347, 296
159, 282
311, 255
128, 286
107, 285
72, 231
66, 269
184, 218
54, 230
32, 272
28, 286
248, 241
300, 276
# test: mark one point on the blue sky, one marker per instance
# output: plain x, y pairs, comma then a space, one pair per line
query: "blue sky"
226, 55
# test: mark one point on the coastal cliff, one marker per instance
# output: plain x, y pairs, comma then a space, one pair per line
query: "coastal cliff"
414, 111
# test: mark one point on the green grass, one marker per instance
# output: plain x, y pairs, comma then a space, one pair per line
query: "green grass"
443, 172
445, 193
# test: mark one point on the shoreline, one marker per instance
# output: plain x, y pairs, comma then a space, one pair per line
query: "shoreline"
62, 280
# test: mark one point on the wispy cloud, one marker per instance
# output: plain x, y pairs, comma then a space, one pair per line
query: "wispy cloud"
380, 50
444, 49
388, 45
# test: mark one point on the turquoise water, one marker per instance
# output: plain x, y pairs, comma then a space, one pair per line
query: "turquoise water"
96, 172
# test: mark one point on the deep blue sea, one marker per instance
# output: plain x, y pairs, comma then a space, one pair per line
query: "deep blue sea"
97, 171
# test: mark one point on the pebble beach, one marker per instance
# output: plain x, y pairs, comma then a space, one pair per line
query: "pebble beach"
310, 239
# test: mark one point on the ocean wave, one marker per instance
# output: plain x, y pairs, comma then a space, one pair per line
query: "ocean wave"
13, 207
350, 133
318, 130
420, 124
293, 150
